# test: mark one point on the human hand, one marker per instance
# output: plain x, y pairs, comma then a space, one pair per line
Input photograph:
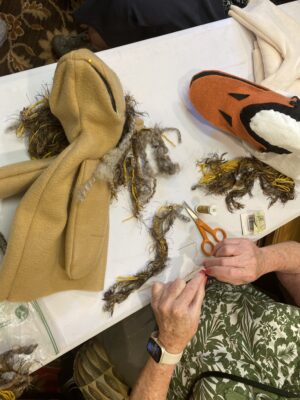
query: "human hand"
177, 308
236, 261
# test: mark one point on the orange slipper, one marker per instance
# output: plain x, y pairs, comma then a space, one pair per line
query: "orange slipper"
231, 103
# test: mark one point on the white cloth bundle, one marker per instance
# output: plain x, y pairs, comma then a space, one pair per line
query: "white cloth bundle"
276, 61
276, 53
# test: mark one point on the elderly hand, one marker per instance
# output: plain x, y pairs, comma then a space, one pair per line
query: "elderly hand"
236, 261
177, 307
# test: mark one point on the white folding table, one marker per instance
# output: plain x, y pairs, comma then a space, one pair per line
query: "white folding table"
155, 72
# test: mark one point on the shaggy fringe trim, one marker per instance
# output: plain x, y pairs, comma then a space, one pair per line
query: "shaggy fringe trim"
162, 222
42, 130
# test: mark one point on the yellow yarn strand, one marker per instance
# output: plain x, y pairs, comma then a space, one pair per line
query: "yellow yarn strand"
33, 136
284, 184
7, 395
230, 165
20, 130
207, 178
125, 174
128, 218
29, 112
133, 190
126, 278
225, 167
168, 140
210, 176
49, 154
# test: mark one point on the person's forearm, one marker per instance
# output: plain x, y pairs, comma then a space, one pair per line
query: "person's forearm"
153, 382
177, 308
284, 259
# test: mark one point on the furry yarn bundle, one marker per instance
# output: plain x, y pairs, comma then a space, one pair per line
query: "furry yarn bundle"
162, 222
52, 230
15, 367
235, 178
42, 129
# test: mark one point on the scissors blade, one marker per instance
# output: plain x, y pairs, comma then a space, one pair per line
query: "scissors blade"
190, 211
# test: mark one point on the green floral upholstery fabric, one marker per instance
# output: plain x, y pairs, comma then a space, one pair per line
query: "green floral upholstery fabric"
245, 333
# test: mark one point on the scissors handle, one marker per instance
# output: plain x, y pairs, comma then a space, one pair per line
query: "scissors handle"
218, 234
207, 247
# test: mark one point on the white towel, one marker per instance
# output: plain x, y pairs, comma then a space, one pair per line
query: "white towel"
276, 53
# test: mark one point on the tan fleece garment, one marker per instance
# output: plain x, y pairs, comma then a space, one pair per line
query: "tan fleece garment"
57, 242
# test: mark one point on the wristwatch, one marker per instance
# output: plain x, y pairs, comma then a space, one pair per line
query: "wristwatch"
159, 353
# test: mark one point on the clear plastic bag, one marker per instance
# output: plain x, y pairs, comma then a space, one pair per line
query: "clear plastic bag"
26, 344
24, 324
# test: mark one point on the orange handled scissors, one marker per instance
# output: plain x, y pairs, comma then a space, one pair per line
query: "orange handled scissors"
218, 234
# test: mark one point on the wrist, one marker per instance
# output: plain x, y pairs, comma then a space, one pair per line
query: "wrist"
160, 353
170, 344
164, 368
272, 260
281, 258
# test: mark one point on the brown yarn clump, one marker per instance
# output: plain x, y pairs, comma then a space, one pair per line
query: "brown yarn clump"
43, 131
15, 367
162, 222
235, 178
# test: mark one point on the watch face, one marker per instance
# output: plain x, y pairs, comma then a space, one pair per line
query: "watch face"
154, 350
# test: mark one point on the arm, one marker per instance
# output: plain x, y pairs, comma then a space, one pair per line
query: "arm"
240, 261
153, 382
284, 259
177, 308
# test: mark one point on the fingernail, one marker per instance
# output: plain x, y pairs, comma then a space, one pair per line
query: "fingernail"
203, 271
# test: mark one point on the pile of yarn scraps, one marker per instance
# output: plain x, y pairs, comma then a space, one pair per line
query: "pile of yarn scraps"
235, 178
15, 367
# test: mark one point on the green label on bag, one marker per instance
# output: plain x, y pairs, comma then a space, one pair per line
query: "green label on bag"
22, 312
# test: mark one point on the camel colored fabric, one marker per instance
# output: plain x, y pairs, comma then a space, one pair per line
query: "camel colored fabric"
57, 242
276, 56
